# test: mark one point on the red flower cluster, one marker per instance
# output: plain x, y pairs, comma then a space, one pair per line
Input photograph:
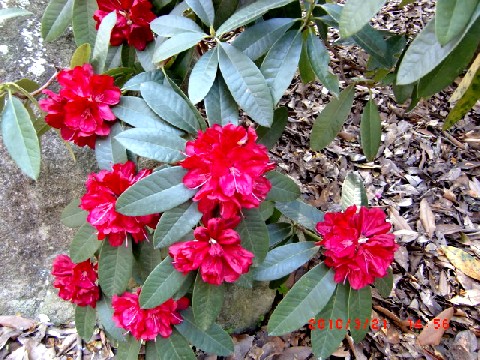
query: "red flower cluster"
216, 251
76, 282
133, 21
103, 189
228, 167
358, 246
146, 324
82, 107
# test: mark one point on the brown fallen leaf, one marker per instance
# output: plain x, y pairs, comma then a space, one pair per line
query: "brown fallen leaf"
427, 217
463, 261
433, 331
16, 322
470, 297
296, 353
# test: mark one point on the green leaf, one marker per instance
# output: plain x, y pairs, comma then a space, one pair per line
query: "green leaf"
249, 13
135, 82
214, 340
266, 209
330, 121
114, 268
246, 84
304, 66
105, 317
270, 136
81, 55
161, 284
319, 59
360, 307
256, 40
145, 57
171, 25
128, 350
176, 44
146, 259
207, 302
278, 232
203, 75
175, 347
370, 130
158, 192
384, 285
326, 341
220, 106
283, 187
466, 81
56, 18
451, 18
223, 10
356, 14
10, 13
102, 41
303, 214
84, 244
72, 216
304, 300
353, 191
280, 64
83, 22
283, 260
254, 234
108, 150
186, 285
114, 58
170, 106
176, 223
153, 144
85, 321
204, 10
20, 137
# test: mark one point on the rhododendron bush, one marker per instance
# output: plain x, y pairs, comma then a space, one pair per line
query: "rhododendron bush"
164, 81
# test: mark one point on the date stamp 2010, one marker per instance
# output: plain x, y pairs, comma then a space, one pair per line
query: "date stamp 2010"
374, 323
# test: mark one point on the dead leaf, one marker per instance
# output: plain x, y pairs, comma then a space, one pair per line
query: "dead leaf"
463, 261
296, 353
433, 331
16, 322
398, 221
470, 298
427, 217
464, 346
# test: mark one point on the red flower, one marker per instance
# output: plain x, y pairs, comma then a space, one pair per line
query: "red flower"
216, 251
358, 245
146, 324
81, 110
228, 167
76, 282
103, 189
133, 21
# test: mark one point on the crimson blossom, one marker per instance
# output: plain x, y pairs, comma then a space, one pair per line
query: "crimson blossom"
228, 167
133, 21
146, 324
216, 250
359, 246
77, 282
81, 110
103, 189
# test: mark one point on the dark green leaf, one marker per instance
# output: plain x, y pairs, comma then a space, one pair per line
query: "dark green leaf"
10, 13
115, 268
176, 44
303, 214
245, 281
56, 18
402, 92
202, 76
72, 216
175, 347
135, 82
269, 136
145, 57
266, 209
223, 10
330, 121
114, 58
105, 316
28, 85
356, 14
146, 260
207, 302
102, 41
283, 188
384, 285
85, 244
204, 10
278, 232
220, 106
304, 300
83, 22
360, 307
370, 130
81, 55
128, 350
254, 234
187, 284
171, 25
109, 151
451, 18
304, 67
85, 321
353, 191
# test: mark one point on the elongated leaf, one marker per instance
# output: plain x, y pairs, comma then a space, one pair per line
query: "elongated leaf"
254, 234
204, 10
85, 244
207, 302
360, 307
171, 25
283, 188
175, 347
81, 55
220, 106
356, 14
100, 50
303, 214
466, 81
105, 315
20, 137
223, 10
353, 191
153, 144
83, 22
283, 260
161, 285
176, 44
170, 106
304, 300
128, 350
146, 260
135, 82
145, 57
326, 341
72, 216
85, 321
384, 285
10, 13
451, 18
370, 130
256, 40
109, 151
246, 84
158, 192
249, 13
269, 136
280, 64
330, 121
115, 268
176, 223
202, 76
56, 18
278, 232
214, 340
304, 66
266, 209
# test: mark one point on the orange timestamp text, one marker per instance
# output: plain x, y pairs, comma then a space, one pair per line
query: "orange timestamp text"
374, 323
